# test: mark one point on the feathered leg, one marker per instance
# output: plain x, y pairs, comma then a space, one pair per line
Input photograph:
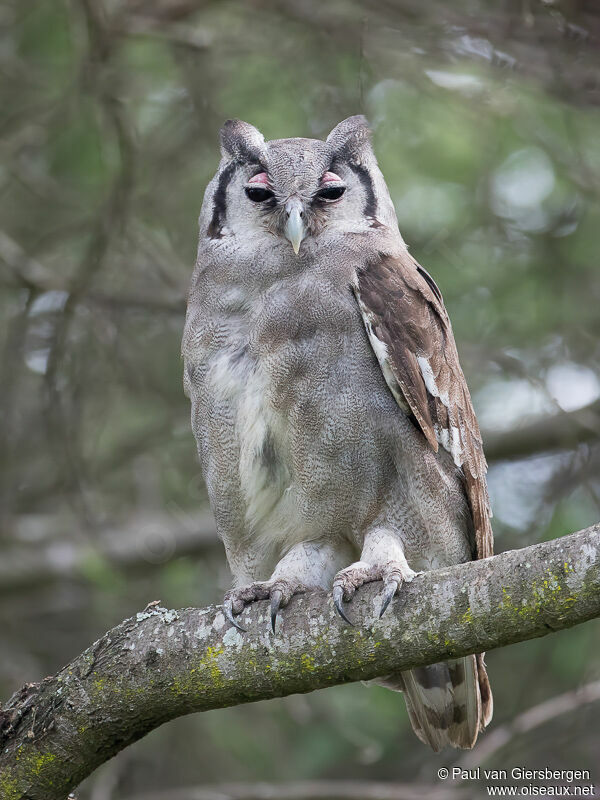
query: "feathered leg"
382, 559
307, 565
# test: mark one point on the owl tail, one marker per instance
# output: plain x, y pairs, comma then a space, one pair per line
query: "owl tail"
449, 703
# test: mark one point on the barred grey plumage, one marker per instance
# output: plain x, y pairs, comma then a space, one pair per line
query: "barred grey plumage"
323, 376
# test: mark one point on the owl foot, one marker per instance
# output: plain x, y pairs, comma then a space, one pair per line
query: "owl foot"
347, 581
279, 591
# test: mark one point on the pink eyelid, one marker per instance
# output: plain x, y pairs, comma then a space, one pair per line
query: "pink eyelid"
262, 179
330, 177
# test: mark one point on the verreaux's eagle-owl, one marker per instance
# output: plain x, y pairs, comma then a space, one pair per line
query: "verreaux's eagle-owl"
323, 377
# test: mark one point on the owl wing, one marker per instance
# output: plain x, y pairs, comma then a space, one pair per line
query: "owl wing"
410, 332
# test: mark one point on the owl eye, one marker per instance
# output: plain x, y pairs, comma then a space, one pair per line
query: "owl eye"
330, 193
258, 194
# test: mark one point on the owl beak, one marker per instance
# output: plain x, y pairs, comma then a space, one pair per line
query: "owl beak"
295, 230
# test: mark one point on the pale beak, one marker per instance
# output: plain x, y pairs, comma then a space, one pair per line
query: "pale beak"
295, 230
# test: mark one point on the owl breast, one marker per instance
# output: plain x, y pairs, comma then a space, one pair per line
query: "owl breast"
312, 420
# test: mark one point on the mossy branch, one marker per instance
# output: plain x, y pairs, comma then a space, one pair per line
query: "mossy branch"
163, 664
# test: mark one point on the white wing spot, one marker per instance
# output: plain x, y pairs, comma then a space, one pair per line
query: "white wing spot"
428, 376
450, 441
430, 383
443, 436
456, 446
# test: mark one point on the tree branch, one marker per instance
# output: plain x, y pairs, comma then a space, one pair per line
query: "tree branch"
163, 664
529, 720
308, 790
560, 431
143, 542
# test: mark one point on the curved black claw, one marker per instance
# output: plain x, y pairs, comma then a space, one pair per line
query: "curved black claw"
275, 606
338, 597
228, 611
390, 590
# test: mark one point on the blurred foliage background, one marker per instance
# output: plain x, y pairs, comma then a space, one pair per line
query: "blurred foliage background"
487, 127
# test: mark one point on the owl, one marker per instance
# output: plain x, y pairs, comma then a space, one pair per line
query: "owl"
333, 422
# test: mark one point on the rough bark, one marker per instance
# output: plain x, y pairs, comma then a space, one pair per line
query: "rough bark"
163, 664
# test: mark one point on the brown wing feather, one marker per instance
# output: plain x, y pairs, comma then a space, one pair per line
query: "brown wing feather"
412, 337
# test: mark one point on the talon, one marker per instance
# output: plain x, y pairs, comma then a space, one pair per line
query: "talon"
228, 611
390, 590
338, 596
275, 606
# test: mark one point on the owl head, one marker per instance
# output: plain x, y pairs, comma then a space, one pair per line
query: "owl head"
296, 190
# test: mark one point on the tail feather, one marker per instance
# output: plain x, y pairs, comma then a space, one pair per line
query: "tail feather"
448, 703
485, 690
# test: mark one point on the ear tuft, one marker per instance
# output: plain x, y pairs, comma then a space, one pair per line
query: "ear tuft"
242, 141
351, 138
